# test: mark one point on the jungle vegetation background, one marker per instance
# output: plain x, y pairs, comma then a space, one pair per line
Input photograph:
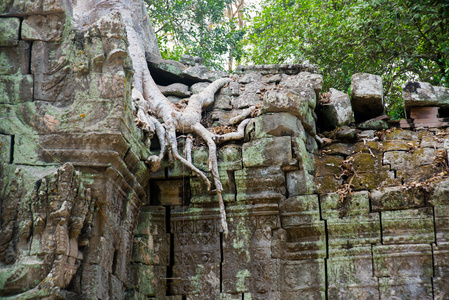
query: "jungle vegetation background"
399, 40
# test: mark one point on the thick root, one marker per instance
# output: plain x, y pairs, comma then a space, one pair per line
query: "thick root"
213, 168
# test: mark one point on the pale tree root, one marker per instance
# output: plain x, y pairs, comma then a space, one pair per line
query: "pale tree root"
213, 167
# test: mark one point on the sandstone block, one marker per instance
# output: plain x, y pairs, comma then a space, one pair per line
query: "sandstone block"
304, 79
246, 99
395, 261
350, 274
223, 102
398, 197
408, 288
300, 182
295, 101
15, 60
268, 152
300, 241
16, 89
441, 259
5, 148
354, 230
175, 89
199, 87
303, 279
43, 27
299, 210
356, 203
250, 77
279, 124
258, 184
424, 94
338, 111
366, 96
442, 223
193, 282
9, 36
200, 194
147, 278
440, 193
411, 226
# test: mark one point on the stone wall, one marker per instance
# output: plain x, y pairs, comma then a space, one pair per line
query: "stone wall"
363, 217
71, 175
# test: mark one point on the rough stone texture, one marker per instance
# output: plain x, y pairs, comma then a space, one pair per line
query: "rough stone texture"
9, 36
338, 111
175, 89
83, 218
417, 93
366, 96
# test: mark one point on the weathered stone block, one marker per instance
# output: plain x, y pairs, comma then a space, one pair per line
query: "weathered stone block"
338, 111
366, 96
150, 279
16, 89
354, 230
95, 281
398, 145
440, 193
397, 197
424, 94
295, 101
403, 261
201, 279
328, 184
350, 274
246, 99
200, 194
16, 59
43, 27
300, 242
441, 213
230, 158
223, 102
303, 279
175, 89
304, 79
59, 88
259, 184
268, 152
400, 134
152, 249
199, 87
101, 252
5, 148
356, 203
300, 182
411, 226
9, 36
306, 160
250, 77
257, 271
441, 259
407, 288
280, 124
299, 210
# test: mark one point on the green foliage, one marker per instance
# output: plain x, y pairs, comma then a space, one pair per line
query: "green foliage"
397, 39
195, 27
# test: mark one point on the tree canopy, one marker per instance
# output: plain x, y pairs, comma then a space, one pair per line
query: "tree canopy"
206, 28
396, 39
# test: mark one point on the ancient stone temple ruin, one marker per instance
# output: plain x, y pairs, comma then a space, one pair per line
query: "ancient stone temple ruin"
325, 198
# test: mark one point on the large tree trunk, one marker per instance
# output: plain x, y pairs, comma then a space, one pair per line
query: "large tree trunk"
150, 103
